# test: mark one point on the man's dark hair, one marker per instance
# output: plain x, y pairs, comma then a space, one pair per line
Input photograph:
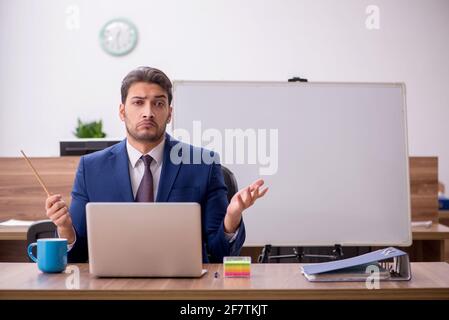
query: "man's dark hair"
148, 75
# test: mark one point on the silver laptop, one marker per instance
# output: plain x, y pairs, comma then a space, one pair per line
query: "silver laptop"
144, 239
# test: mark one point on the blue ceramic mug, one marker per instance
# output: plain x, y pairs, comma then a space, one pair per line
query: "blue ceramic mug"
51, 254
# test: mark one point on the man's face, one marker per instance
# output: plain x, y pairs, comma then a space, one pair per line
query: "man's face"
146, 112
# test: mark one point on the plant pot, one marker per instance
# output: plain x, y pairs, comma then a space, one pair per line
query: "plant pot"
81, 146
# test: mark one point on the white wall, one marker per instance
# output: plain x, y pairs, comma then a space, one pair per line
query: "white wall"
50, 75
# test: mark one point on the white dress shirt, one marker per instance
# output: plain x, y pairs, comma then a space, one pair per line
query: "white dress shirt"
136, 168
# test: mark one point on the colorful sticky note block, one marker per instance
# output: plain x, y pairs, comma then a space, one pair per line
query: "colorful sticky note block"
237, 266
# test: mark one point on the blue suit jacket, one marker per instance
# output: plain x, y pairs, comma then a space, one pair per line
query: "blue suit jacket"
103, 176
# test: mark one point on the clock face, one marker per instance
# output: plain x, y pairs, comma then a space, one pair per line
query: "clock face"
118, 37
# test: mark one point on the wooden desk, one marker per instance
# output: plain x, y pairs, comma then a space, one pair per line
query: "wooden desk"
429, 244
436, 232
268, 281
13, 244
13, 233
443, 216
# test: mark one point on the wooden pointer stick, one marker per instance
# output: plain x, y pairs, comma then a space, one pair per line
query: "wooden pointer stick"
36, 174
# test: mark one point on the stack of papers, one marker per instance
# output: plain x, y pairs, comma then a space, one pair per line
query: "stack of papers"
16, 223
425, 224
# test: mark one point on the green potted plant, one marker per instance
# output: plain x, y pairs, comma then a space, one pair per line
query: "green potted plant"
92, 129
89, 138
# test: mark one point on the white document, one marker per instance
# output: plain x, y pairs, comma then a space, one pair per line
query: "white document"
425, 224
16, 223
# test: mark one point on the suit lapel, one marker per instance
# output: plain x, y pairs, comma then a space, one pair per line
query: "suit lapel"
169, 171
120, 171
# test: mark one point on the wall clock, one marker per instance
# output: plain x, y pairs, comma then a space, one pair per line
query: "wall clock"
118, 37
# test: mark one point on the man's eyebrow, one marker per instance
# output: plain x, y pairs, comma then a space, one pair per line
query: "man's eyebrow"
145, 97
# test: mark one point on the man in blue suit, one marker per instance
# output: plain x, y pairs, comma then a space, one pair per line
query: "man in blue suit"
150, 165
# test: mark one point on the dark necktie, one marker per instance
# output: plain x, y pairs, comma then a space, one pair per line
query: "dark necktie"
145, 192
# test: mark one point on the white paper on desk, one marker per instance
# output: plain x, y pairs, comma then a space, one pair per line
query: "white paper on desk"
425, 224
16, 223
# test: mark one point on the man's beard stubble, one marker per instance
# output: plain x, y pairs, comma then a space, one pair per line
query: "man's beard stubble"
147, 137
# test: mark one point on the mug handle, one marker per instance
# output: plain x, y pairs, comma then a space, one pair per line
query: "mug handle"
30, 251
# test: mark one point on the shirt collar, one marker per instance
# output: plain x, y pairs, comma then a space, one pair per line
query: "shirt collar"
156, 153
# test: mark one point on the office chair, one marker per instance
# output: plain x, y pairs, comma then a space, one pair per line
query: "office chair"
230, 182
40, 229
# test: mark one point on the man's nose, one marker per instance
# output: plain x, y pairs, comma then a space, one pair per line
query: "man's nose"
148, 111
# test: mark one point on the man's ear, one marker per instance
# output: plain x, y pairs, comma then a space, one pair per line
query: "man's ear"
122, 111
170, 113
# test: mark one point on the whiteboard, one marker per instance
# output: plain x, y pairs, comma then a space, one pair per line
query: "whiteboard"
342, 169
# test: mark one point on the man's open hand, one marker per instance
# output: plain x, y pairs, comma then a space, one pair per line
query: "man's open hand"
241, 201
